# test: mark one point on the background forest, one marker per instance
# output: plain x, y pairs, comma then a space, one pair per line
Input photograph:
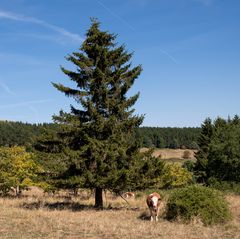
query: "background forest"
24, 134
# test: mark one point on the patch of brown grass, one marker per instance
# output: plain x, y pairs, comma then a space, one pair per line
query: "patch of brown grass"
172, 155
48, 217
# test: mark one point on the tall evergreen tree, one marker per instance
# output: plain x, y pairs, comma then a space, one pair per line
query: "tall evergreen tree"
100, 129
219, 153
224, 153
203, 152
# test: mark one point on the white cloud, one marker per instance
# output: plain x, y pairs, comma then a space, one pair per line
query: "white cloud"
42, 37
24, 103
23, 18
28, 104
20, 59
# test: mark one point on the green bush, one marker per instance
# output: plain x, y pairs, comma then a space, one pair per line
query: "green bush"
197, 202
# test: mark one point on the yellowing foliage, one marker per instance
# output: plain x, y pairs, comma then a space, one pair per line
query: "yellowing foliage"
175, 175
17, 169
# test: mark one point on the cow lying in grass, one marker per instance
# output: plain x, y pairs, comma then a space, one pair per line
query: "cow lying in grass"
153, 202
129, 195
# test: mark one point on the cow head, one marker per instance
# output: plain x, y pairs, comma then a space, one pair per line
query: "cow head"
155, 203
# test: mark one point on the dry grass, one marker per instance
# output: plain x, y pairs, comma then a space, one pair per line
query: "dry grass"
172, 155
47, 217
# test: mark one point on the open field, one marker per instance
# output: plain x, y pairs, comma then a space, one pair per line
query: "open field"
47, 217
172, 155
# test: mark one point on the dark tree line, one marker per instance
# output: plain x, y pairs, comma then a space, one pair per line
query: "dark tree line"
173, 138
24, 134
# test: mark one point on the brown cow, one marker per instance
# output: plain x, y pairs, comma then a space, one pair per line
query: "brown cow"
153, 202
129, 195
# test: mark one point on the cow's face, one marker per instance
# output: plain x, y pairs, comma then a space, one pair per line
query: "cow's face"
154, 201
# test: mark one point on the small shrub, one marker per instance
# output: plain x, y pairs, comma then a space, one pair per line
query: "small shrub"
200, 202
186, 154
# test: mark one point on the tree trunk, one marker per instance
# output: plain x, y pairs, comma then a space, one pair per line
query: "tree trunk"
98, 198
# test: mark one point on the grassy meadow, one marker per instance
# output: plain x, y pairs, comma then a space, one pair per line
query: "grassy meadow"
36, 215
63, 215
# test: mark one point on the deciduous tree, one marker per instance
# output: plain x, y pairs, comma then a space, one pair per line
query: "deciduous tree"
17, 169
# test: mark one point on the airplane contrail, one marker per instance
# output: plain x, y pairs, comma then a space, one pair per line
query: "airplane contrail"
170, 56
23, 18
115, 15
132, 28
5, 87
28, 104
24, 103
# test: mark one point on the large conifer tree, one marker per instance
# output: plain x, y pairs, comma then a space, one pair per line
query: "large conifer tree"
99, 129
219, 154
203, 152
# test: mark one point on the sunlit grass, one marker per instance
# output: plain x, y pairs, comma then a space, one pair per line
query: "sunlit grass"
75, 217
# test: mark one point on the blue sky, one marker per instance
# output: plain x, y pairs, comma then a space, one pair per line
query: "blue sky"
189, 50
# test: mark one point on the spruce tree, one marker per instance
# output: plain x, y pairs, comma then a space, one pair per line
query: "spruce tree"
224, 153
98, 131
203, 152
218, 157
